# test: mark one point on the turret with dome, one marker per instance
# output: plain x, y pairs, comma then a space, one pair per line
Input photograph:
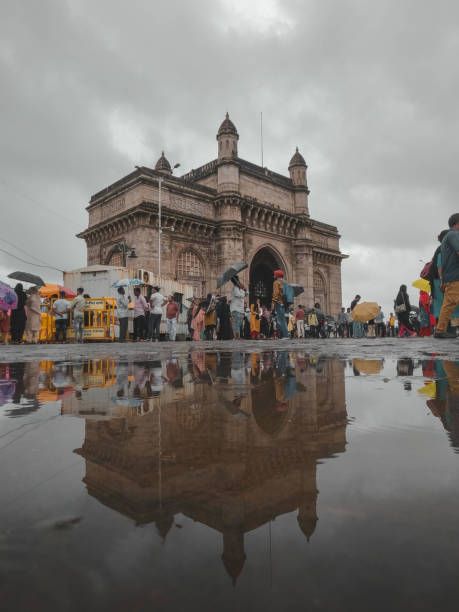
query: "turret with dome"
163, 165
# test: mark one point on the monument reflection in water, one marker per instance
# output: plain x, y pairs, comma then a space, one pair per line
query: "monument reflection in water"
231, 440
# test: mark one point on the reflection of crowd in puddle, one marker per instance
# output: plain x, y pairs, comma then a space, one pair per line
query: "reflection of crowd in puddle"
134, 382
443, 393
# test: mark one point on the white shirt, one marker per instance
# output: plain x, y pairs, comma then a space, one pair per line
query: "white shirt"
122, 306
78, 304
237, 299
156, 302
60, 306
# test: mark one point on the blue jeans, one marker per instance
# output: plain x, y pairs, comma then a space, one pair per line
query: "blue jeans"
282, 330
237, 320
78, 327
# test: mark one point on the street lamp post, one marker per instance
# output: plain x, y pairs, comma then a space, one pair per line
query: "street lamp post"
160, 229
123, 248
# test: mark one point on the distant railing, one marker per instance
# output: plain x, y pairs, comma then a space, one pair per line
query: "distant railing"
197, 173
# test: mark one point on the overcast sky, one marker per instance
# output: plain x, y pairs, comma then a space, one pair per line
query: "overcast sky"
368, 91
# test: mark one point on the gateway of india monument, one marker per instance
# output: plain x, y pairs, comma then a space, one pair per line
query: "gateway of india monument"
228, 210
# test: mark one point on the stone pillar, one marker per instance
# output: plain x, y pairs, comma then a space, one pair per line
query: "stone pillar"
228, 176
303, 274
335, 291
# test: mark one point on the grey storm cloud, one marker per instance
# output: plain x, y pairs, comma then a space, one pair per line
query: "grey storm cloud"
368, 91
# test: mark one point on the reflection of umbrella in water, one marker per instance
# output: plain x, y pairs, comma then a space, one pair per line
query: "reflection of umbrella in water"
365, 311
8, 298
297, 289
27, 278
422, 284
429, 389
368, 366
228, 274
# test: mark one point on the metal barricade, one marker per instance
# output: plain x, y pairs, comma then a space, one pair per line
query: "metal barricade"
98, 322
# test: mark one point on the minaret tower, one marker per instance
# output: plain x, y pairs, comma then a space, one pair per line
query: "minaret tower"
228, 168
297, 168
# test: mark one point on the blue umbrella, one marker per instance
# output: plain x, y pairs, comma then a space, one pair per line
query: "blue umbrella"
128, 282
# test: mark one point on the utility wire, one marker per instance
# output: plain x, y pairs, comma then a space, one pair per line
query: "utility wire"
27, 197
23, 251
29, 263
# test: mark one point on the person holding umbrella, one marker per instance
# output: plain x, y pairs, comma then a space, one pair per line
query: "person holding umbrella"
237, 306
18, 316
277, 305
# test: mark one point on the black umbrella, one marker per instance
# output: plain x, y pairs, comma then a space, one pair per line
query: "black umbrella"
228, 274
297, 289
27, 278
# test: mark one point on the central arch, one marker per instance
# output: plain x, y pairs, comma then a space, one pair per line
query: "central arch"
264, 262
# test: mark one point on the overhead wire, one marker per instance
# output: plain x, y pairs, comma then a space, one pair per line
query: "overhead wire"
29, 263
23, 251
27, 197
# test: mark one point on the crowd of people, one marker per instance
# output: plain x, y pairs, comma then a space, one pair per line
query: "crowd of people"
219, 318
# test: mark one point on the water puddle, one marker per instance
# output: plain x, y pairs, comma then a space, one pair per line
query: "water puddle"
229, 480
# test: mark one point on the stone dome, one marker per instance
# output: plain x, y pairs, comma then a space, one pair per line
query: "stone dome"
227, 127
162, 165
297, 160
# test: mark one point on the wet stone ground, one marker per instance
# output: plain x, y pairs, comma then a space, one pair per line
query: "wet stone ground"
253, 476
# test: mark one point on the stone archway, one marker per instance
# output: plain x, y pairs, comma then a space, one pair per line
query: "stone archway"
264, 262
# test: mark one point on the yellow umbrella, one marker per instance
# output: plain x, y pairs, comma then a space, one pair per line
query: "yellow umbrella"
365, 311
422, 284
368, 366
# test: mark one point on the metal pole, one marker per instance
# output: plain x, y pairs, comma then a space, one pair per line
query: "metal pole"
261, 134
159, 228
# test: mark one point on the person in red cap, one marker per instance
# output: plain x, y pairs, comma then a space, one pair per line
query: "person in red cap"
278, 304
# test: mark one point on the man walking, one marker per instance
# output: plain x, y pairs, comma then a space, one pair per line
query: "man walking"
157, 302
349, 323
278, 304
140, 307
122, 307
392, 325
342, 321
449, 277
77, 307
299, 315
172, 314
237, 306
61, 308
380, 326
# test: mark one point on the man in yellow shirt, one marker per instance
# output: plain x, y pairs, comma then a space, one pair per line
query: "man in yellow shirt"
392, 325
278, 304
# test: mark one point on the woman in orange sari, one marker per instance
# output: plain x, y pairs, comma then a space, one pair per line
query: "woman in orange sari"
197, 322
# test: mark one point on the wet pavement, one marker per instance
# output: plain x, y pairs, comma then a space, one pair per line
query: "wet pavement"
344, 348
251, 476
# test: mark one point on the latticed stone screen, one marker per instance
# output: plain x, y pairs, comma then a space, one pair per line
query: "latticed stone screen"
319, 285
189, 265
116, 259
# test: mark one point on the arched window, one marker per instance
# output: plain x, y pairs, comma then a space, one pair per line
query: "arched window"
114, 259
320, 290
189, 265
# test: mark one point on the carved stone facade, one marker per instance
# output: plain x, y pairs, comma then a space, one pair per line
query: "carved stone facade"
227, 210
